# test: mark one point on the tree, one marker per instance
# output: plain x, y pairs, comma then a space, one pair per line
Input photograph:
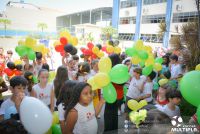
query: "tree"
5, 23
109, 32
42, 26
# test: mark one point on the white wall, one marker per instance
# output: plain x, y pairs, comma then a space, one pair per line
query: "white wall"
131, 12
149, 28
154, 9
187, 6
126, 28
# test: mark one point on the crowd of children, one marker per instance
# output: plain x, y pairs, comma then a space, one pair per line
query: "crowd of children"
78, 106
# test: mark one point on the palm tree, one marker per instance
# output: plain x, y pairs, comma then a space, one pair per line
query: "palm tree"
5, 22
42, 26
109, 32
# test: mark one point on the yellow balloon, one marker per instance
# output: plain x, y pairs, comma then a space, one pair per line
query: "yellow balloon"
18, 62
139, 44
163, 82
55, 118
197, 67
135, 60
21, 42
65, 34
95, 49
101, 79
30, 42
39, 48
105, 65
52, 75
142, 103
117, 50
110, 49
92, 83
56, 43
149, 61
100, 54
74, 41
133, 105
157, 66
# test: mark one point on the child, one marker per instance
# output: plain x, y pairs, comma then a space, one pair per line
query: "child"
38, 63
175, 67
83, 72
63, 100
148, 87
61, 77
80, 113
3, 88
43, 90
45, 66
29, 78
17, 86
171, 109
71, 68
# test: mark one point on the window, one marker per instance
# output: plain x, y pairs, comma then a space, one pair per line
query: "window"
128, 3
128, 20
153, 18
149, 2
184, 17
155, 38
126, 36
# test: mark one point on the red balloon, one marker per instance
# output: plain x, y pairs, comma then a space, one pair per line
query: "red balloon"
18, 73
62, 53
2, 66
59, 48
83, 50
90, 45
103, 48
88, 52
9, 72
63, 40
93, 56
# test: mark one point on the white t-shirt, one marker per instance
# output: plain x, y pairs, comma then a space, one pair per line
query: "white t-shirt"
37, 69
133, 91
169, 112
61, 112
44, 94
175, 70
84, 78
148, 87
86, 122
5, 105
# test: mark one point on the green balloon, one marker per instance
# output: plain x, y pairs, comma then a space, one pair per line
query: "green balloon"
56, 129
109, 93
31, 54
159, 60
125, 89
119, 74
198, 114
21, 50
190, 87
142, 63
155, 86
131, 51
147, 70
143, 55
35, 80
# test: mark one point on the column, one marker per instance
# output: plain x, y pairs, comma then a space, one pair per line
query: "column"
115, 13
138, 20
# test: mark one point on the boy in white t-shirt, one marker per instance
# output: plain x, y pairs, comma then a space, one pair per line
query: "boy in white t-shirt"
17, 86
148, 87
175, 67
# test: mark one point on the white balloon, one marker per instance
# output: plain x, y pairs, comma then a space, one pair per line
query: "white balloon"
35, 115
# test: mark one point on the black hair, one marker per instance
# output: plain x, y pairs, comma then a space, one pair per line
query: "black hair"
94, 62
174, 57
152, 75
61, 77
75, 57
167, 74
17, 81
38, 55
9, 52
83, 67
11, 65
42, 70
75, 96
127, 61
138, 70
115, 59
45, 66
173, 94
19, 67
66, 92
12, 126
167, 57
29, 77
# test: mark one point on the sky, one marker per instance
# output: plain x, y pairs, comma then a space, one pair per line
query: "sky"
67, 6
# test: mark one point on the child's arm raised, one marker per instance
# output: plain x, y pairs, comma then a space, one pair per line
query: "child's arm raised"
71, 121
52, 101
99, 107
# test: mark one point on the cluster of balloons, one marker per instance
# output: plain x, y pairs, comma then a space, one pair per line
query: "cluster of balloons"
135, 106
138, 117
55, 127
190, 89
29, 47
36, 119
143, 56
13, 69
112, 47
118, 74
93, 51
66, 44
